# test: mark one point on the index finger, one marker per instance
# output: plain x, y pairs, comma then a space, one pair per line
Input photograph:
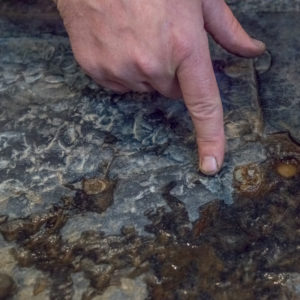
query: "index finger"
202, 98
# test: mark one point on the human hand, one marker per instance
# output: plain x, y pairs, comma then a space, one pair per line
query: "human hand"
161, 45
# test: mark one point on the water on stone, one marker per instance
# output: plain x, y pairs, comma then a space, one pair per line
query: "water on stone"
100, 197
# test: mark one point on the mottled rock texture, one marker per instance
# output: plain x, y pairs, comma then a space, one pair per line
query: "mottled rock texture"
100, 196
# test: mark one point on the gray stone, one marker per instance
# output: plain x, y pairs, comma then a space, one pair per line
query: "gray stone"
279, 90
95, 186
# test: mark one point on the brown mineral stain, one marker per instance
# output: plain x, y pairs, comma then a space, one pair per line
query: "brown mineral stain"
3, 219
20, 229
94, 194
223, 256
287, 170
249, 178
40, 285
228, 253
6, 286
237, 69
95, 186
208, 213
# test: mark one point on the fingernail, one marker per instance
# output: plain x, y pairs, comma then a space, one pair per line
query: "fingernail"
208, 165
259, 44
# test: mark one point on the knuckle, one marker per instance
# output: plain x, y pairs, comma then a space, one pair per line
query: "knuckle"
169, 89
144, 87
115, 73
204, 110
183, 48
147, 65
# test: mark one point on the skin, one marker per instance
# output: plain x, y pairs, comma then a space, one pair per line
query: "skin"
162, 45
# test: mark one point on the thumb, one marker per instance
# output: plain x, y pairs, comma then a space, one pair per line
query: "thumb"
201, 96
227, 31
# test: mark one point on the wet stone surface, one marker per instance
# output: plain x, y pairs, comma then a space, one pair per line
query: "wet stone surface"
100, 197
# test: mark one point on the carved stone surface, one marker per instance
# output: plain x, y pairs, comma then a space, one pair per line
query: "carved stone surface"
100, 197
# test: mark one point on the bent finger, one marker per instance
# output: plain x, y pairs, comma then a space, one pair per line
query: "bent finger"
220, 22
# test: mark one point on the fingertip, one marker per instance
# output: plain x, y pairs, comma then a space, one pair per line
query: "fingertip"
211, 155
228, 32
208, 165
251, 49
261, 46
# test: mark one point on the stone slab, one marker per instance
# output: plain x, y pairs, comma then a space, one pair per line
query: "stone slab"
100, 194
279, 90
